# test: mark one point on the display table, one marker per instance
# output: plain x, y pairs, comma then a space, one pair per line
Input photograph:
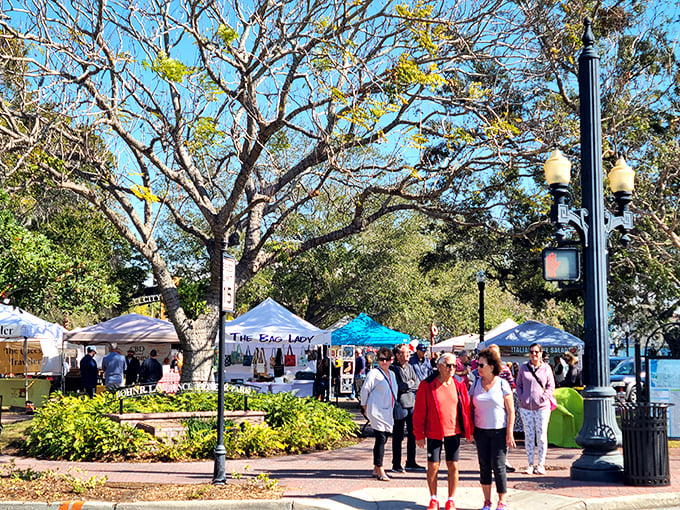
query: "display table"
299, 388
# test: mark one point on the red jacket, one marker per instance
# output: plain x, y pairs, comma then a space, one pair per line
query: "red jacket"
426, 421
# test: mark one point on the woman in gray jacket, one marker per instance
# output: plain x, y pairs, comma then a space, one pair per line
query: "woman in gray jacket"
535, 384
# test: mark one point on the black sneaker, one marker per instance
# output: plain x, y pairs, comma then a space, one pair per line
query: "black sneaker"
509, 468
397, 470
415, 468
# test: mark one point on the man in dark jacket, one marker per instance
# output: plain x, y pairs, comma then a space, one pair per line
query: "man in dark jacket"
89, 372
152, 370
131, 368
407, 384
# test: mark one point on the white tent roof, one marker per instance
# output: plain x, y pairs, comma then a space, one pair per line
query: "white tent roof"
18, 324
127, 329
270, 324
458, 343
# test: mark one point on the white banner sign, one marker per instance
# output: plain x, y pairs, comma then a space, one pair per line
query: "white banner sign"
10, 330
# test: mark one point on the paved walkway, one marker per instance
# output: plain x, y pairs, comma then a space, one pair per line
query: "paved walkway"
345, 477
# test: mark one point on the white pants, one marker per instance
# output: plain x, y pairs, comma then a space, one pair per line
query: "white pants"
535, 432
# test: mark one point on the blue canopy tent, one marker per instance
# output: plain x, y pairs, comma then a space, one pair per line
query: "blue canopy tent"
365, 331
516, 341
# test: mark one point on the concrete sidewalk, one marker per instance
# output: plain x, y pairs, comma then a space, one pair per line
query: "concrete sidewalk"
341, 479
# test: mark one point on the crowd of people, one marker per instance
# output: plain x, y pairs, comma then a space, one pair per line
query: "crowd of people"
118, 370
435, 402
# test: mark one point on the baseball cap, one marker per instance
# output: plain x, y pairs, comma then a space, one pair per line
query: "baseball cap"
153, 352
91, 349
421, 347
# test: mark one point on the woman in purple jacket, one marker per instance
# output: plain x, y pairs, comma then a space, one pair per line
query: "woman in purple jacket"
535, 384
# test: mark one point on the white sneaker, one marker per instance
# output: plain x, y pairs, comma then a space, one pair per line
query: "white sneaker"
539, 470
529, 470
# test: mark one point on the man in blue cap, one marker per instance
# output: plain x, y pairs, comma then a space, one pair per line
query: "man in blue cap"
421, 365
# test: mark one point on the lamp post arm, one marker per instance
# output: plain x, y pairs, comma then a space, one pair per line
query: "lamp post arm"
563, 216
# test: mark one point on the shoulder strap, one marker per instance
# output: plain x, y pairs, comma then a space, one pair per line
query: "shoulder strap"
388, 382
531, 369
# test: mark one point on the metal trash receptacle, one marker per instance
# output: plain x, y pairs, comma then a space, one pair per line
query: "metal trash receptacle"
644, 426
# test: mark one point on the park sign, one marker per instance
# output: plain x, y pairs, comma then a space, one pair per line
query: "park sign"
561, 264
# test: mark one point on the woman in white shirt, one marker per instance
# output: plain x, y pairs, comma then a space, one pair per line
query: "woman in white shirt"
377, 400
494, 418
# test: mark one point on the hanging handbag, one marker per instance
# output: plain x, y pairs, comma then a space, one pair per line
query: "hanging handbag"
302, 359
259, 366
247, 358
227, 360
289, 359
398, 411
553, 401
237, 356
272, 359
278, 363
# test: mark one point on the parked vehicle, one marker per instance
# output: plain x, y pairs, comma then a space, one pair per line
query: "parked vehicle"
615, 360
622, 379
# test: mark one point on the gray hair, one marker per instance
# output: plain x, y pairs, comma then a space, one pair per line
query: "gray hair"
444, 357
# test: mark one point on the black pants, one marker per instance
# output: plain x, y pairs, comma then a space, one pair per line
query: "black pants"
399, 437
491, 452
379, 447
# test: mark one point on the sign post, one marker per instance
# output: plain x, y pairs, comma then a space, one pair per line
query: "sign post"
227, 302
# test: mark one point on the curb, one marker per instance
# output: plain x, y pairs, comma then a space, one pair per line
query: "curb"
264, 504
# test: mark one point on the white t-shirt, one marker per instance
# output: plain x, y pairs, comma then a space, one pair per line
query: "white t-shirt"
489, 406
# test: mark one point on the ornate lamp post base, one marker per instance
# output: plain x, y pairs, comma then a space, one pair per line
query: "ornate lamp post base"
600, 460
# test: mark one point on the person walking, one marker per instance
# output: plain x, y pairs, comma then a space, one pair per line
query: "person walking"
407, 385
359, 371
535, 385
559, 370
494, 419
89, 372
151, 371
421, 365
131, 368
377, 400
573, 376
113, 365
440, 417
506, 374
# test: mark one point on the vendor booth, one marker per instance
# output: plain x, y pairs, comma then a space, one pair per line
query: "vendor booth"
131, 331
273, 349
469, 342
364, 331
29, 346
514, 343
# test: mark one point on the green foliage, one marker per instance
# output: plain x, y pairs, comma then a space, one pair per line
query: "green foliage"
74, 428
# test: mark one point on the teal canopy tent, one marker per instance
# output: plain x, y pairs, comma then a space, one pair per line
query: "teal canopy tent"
365, 331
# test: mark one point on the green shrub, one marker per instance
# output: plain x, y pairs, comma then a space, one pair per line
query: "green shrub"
75, 428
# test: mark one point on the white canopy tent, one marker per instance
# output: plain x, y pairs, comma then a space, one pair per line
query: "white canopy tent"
19, 325
20, 335
269, 326
470, 341
139, 332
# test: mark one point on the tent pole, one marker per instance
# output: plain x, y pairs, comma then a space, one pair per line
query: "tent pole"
25, 371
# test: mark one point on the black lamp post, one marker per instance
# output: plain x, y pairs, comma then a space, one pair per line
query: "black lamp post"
481, 284
219, 469
600, 435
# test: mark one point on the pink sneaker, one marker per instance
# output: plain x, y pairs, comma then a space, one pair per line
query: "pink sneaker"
501, 506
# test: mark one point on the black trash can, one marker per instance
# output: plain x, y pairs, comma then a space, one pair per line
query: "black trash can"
645, 443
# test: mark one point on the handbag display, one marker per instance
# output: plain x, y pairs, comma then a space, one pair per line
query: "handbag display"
237, 356
278, 363
247, 358
303, 359
227, 360
259, 364
289, 359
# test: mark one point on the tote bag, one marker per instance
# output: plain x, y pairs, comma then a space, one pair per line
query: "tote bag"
247, 358
289, 359
237, 356
259, 364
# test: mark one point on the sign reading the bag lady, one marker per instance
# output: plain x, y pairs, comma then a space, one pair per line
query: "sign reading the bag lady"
265, 338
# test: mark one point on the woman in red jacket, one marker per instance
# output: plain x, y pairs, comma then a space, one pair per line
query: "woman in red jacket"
441, 415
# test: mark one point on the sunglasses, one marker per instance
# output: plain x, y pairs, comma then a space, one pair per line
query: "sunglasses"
535, 352
482, 365
384, 359
449, 365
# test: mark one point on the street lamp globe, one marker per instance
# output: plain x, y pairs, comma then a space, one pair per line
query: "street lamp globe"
621, 177
481, 277
557, 169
